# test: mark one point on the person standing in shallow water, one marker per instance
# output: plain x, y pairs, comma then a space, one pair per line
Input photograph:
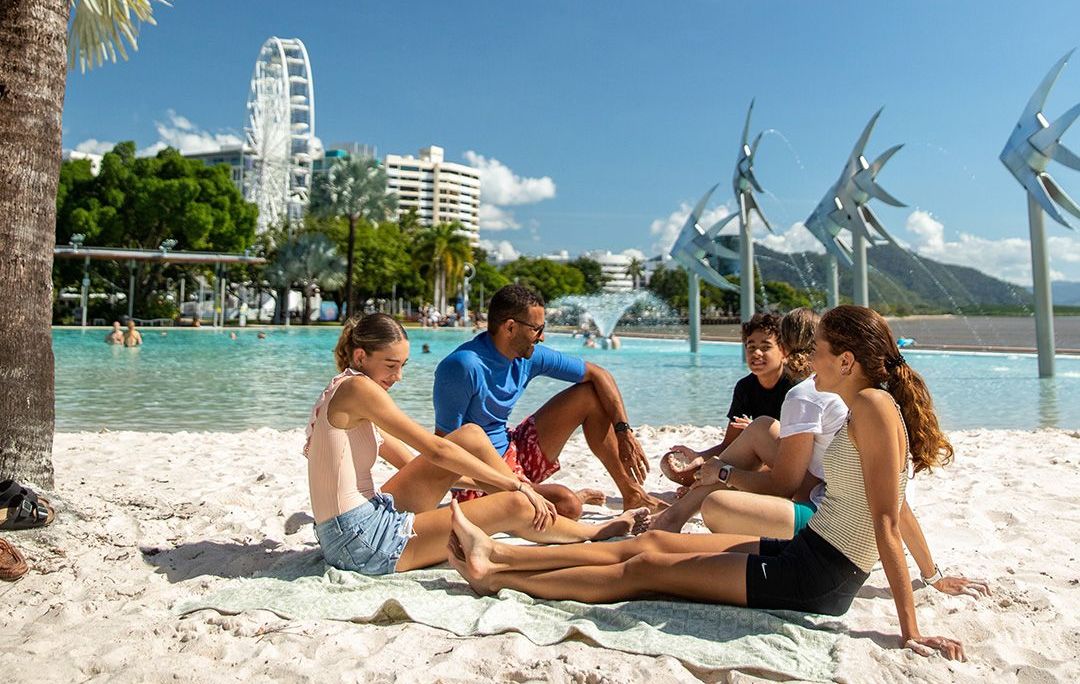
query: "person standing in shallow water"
482, 380
116, 335
132, 337
824, 566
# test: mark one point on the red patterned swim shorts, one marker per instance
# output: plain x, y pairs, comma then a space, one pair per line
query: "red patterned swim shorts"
524, 457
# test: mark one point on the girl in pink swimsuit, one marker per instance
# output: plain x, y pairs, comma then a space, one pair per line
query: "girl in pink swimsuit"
399, 527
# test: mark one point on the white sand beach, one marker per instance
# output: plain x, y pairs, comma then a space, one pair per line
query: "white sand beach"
149, 519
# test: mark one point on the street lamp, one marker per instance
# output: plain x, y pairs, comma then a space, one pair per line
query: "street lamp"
469, 271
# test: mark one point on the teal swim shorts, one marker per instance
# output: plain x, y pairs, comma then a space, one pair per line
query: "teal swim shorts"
803, 511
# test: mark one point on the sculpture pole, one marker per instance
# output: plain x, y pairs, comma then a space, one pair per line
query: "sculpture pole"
695, 311
832, 281
1044, 301
861, 293
746, 263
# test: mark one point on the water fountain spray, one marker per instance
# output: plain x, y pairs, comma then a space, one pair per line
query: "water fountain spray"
845, 207
1033, 143
692, 250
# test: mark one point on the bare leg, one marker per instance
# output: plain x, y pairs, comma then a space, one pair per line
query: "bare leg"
713, 577
684, 508
607, 553
507, 512
735, 512
579, 406
755, 446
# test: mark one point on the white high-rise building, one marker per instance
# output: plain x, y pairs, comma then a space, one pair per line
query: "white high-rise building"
439, 191
615, 269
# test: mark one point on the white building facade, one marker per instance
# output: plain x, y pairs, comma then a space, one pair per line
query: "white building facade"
615, 268
437, 190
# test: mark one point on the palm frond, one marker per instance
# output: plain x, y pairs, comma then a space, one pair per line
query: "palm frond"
99, 29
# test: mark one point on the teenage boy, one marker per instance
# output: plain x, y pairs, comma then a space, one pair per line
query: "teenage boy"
482, 380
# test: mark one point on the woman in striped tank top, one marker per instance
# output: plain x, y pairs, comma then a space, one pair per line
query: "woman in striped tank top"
891, 421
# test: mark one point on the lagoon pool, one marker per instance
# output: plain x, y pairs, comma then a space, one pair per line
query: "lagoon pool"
200, 379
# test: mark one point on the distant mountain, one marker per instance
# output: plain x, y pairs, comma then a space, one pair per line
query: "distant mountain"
1066, 293
901, 281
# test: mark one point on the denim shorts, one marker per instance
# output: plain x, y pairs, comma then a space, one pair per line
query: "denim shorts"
368, 539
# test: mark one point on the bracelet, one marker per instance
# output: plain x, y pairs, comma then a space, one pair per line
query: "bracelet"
934, 578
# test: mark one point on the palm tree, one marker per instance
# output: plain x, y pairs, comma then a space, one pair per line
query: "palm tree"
635, 270
33, 64
308, 261
354, 188
440, 254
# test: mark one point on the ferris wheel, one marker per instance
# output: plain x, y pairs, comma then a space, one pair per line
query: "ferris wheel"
280, 132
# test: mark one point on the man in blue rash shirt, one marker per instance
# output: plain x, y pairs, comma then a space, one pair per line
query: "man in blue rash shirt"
482, 380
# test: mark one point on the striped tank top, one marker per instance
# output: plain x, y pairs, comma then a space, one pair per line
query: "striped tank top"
843, 519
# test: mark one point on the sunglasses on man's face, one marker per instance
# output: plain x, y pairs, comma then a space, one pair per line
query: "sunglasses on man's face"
538, 330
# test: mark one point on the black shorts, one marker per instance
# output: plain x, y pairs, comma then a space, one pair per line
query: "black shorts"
806, 574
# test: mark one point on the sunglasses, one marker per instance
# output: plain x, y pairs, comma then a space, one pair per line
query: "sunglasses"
538, 330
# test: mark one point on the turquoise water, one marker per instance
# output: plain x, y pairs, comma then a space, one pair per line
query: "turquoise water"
202, 380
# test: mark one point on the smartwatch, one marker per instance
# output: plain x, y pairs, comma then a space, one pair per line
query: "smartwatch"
725, 473
623, 426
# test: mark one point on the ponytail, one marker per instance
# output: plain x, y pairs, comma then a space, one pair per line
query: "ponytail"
797, 341
865, 334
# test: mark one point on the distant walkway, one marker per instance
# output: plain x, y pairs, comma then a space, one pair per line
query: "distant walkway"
1006, 334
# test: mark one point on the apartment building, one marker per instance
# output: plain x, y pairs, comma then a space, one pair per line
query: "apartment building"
439, 191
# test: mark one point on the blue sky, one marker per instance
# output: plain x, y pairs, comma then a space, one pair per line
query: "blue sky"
631, 110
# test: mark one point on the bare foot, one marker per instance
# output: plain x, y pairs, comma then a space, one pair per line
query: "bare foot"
631, 522
470, 550
591, 496
639, 498
671, 520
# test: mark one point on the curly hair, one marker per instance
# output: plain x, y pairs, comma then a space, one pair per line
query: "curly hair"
797, 340
766, 322
370, 332
865, 334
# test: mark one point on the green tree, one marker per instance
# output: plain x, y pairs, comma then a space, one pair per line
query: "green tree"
356, 189
592, 272
307, 261
33, 47
440, 253
140, 202
636, 270
487, 281
550, 278
381, 257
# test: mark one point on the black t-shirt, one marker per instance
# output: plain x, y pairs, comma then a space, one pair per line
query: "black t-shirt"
751, 399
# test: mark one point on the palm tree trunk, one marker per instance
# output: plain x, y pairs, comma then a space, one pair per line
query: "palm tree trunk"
349, 266
33, 65
307, 305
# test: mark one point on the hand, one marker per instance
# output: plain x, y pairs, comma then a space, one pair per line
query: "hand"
680, 463
544, 513
927, 646
708, 474
955, 586
632, 456
742, 422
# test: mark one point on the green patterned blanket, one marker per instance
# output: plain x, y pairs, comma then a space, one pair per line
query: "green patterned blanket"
704, 637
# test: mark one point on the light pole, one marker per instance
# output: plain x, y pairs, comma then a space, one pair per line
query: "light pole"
468, 271
76, 242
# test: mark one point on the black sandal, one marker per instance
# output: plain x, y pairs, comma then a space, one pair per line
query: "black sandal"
25, 512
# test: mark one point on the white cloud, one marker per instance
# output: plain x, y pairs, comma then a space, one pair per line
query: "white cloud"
634, 254
501, 186
667, 229
793, 240
95, 146
497, 218
181, 133
1007, 258
502, 250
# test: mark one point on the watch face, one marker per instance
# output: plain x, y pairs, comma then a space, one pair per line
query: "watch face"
725, 472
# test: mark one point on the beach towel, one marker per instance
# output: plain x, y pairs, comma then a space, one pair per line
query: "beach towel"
703, 637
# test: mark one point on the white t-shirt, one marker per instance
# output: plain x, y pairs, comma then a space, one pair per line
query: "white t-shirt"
822, 414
